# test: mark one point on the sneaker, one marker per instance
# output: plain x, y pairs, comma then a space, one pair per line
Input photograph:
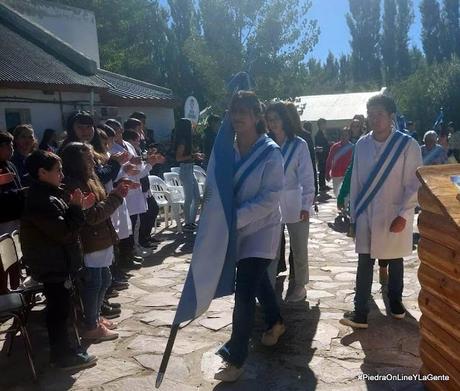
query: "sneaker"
113, 305
110, 312
298, 293
107, 323
130, 264
228, 373
148, 244
100, 333
353, 320
271, 337
397, 310
74, 361
111, 293
383, 275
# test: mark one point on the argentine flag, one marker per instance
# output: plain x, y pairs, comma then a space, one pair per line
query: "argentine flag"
212, 270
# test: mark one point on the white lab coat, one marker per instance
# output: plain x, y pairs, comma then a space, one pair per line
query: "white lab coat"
135, 199
258, 212
397, 197
299, 184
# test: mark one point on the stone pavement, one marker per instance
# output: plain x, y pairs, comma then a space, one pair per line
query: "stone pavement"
315, 353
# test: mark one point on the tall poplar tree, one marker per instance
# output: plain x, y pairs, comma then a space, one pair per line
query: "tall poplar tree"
431, 30
364, 23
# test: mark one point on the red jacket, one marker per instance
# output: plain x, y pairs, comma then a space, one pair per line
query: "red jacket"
339, 159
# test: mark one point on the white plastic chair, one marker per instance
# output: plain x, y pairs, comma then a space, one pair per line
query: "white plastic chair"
200, 169
175, 169
166, 198
172, 179
200, 176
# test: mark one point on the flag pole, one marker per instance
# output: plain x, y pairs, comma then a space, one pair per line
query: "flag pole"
166, 355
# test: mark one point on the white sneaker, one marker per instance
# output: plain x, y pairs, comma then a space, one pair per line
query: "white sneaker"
299, 293
228, 373
271, 337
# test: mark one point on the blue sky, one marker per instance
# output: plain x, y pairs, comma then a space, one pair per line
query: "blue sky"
335, 35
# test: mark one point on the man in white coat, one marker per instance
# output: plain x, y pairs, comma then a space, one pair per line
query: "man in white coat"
383, 196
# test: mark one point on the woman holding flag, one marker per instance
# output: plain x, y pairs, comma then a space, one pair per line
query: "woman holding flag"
257, 185
297, 196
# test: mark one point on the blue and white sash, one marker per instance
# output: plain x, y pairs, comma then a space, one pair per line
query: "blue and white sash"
288, 150
381, 171
342, 152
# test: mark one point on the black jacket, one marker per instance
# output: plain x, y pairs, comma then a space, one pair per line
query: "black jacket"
49, 234
11, 195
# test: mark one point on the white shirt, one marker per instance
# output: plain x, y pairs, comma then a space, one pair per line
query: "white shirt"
100, 258
299, 184
258, 211
397, 197
135, 199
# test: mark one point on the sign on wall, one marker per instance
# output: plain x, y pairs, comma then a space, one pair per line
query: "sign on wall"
192, 109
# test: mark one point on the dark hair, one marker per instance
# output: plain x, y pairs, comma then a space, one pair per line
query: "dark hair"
130, 135
113, 123
84, 118
41, 159
48, 134
280, 109
183, 135
321, 120
212, 119
131, 123
138, 115
249, 100
387, 102
451, 124
294, 116
307, 125
108, 130
74, 167
5, 137
409, 123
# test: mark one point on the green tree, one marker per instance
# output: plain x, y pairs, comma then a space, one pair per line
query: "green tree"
431, 30
364, 23
404, 21
389, 50
450, 38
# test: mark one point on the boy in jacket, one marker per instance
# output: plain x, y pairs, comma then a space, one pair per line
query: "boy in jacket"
50, 243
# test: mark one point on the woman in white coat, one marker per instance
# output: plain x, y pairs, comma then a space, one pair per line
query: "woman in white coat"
383, 196
297, 196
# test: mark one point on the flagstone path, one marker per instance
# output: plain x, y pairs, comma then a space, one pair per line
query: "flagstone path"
315, 353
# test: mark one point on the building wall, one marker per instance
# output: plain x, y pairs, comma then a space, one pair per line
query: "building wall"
75, 26
160, 119
46, 110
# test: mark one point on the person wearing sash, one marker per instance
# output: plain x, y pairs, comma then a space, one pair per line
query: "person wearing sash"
339, 159
297, 196
383, 197
258, 184
432, 153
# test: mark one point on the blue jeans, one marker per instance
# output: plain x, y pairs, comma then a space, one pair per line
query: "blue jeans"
364, 282
95, 283
191, 192
251, 281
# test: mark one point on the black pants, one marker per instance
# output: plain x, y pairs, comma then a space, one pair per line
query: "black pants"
322, 172
147, 220
57, 312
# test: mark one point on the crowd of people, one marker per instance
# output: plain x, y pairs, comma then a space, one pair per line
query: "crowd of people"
77, 201
76, 204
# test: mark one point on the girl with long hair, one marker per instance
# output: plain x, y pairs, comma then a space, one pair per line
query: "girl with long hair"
297, 196
97, 235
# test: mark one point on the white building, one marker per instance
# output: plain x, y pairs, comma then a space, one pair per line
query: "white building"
337, 109
49, 67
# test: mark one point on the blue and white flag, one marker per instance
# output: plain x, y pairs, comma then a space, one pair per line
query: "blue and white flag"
380, 171
439, 121
212, 270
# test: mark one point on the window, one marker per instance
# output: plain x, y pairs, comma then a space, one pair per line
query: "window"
15, 117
